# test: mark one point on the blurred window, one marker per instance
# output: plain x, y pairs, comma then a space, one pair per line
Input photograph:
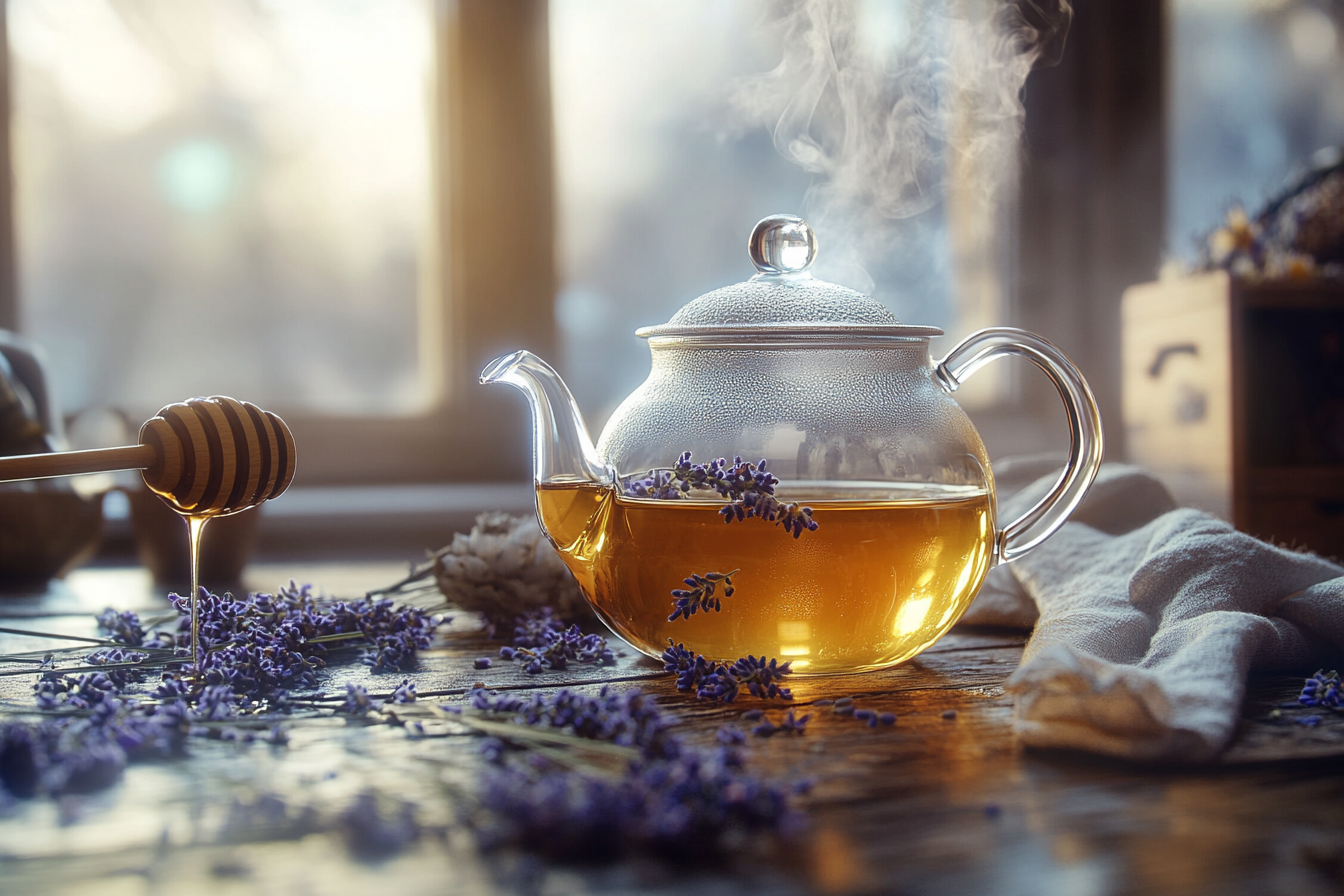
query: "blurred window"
226, 196
1257, 88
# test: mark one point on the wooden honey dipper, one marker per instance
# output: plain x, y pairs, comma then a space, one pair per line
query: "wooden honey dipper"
206, 457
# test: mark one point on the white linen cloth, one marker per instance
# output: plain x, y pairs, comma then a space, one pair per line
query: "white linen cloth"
1149, 617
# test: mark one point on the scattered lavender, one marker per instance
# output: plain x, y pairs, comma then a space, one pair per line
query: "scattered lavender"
256, 649
263, 643
535, 629
626, 718
404, 692
872, 717
118, 657
541, 642
123, 628
729, 736
749, 489
845, 706
481, 662
94, 729
716, 681
700, 594
1323, 689
372, 832
789, 724
672, 799
691, 668
358, 702
374, 826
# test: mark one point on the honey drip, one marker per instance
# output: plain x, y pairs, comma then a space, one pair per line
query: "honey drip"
195, 526
888, 571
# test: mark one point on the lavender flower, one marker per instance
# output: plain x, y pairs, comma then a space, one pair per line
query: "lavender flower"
115, 656
257, 648
761, 677
1322, 689
691, 668
659, 484
541, 642
536, 629
673, 799
716, 681
845, 706
629, 718
124, 628
749, 489
371, 833
700, 595
730, 737
264, 643
790, 724
358, 702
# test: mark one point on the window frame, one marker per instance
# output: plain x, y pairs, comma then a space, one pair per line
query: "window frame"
489, 283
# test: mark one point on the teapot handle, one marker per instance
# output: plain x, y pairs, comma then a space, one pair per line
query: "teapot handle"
1085, 439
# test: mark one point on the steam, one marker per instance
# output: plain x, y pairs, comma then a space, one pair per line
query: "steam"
897, 106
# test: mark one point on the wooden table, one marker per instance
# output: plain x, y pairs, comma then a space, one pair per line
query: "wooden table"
934, 804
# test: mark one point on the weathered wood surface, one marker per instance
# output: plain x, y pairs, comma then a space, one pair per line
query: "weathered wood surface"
931, 805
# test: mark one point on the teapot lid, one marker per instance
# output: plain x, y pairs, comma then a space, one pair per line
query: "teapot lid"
783, 298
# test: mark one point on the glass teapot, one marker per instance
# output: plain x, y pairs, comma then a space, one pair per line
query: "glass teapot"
794, 479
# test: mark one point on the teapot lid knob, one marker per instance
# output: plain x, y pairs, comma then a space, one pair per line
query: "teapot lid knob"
782, 244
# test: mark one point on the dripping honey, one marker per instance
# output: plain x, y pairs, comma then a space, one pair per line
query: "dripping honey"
887, 572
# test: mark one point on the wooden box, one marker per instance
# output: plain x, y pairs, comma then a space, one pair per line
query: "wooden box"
1233, 393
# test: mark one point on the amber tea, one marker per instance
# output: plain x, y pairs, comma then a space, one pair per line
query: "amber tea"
890, 568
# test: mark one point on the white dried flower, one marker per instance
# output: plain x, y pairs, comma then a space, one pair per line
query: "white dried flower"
506, 568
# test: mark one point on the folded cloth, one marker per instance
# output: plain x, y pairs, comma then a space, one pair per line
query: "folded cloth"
1150, 618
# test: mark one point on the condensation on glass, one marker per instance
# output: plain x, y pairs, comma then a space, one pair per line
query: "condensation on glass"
226, 196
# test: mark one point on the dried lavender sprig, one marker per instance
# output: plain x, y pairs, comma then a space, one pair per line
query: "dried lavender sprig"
541, 642
716, 681
790, 724
692, 807
1322, 689
672, 798
700, 594
257, 648
358, 702
124, 628
267, 642
749, 488
627, 719
97, 729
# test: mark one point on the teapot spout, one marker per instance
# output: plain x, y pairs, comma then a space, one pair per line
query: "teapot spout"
562, 450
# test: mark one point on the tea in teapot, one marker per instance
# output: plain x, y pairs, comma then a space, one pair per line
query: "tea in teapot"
869, 522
